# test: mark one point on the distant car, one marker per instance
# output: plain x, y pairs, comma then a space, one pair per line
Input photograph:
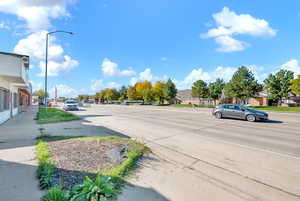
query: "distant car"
71, 105
238, 111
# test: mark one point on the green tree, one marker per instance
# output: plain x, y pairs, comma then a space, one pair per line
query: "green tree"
123, 93
158, 90
242, 85
278, 85
169, 91
215, 89
200, 89
295, 85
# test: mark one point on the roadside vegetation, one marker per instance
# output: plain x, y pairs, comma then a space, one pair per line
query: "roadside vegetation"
52, 115
242, 86
90, 177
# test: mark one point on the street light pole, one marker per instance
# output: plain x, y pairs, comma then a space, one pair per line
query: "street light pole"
46, 71
46, 61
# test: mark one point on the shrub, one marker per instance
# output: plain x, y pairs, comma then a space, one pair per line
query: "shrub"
56, 194
98, 190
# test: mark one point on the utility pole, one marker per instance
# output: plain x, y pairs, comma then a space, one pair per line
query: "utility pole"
46, 62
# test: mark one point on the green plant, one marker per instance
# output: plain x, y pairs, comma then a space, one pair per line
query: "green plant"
106, 185
56, 194
98, 190
45, 168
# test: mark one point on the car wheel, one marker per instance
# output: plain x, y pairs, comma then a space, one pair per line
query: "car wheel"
218, 115
251, 118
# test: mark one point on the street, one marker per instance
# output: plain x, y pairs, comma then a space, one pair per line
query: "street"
203, 158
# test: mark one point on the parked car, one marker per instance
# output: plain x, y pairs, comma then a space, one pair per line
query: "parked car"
70, 105
238, 111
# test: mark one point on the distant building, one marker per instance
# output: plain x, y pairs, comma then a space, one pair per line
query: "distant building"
15, 88
185, 97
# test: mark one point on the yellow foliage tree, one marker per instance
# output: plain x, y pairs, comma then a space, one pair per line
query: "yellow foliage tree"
144, 91
158, 91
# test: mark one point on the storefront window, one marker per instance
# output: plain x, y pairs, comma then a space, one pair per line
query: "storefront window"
4, 99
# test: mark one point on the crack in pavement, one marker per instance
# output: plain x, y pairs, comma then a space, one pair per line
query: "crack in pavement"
225, 169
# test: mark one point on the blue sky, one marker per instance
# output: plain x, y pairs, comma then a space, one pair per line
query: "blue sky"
119, 42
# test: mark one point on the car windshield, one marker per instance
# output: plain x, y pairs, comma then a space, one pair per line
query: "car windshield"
71, 102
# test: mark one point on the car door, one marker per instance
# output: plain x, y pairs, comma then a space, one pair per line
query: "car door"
238, 112
228, 111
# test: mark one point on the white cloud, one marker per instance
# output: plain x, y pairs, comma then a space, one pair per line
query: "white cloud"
34, 46
229, 44
36, 14
292, 65
147, 75
64, 91
110, 68
199, 74
133, 80
97, 85
222, 72
56, 68
163, 58
229, 24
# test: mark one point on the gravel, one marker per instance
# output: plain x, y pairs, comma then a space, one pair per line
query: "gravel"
76, 158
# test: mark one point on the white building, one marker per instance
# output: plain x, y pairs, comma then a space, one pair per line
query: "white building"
15, 88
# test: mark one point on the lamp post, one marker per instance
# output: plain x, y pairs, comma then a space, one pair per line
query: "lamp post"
46, 61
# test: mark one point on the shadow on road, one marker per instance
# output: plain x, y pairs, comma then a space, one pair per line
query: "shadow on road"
271, 122
13, 187
265, 121
93, 115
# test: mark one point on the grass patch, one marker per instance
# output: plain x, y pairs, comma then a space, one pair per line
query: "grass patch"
45, 167
116, 174
279, 109
51, 115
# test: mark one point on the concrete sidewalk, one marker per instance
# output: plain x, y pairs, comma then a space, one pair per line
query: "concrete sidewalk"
17, 158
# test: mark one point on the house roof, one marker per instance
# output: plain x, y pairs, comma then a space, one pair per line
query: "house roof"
13, 54
25, 57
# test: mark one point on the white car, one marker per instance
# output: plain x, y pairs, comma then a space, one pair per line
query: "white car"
70, 105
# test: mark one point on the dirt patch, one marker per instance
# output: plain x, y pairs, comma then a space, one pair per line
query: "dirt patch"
76, 158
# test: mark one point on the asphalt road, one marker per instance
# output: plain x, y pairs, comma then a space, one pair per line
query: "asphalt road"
251, 161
